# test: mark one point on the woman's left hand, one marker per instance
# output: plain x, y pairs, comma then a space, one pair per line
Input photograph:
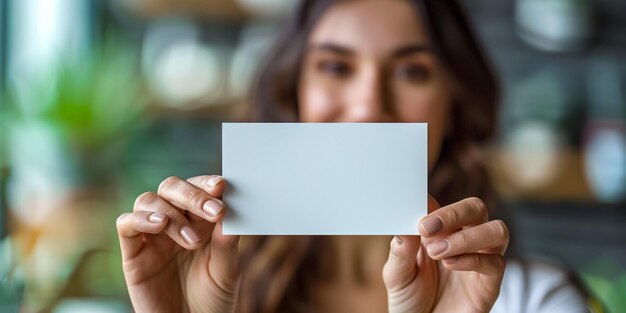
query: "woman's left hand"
456, 265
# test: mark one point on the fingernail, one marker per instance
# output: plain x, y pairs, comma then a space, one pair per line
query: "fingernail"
157, 217
398, 240
189, 235
437, 247
212, 208
213, 181
452, 259
432, 225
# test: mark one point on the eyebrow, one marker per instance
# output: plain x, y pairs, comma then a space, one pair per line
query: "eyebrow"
398, 53
332, 47
411, 49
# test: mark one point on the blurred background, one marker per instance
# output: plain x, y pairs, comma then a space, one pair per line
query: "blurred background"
101, 100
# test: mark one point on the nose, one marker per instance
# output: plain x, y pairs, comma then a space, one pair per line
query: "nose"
367, 100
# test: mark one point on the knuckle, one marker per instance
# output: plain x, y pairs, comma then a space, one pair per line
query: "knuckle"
452, 216
172, 213
168, 183
145, 199
195, 197
462, 240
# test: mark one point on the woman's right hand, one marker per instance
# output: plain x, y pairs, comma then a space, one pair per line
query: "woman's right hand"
175, 258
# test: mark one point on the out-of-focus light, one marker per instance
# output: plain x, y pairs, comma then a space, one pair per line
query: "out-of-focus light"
40, 171
536, 119
605, 131
532, 154
605, 162
43, 33
267, 8
91, 306
563, 25
183, 71
254, 44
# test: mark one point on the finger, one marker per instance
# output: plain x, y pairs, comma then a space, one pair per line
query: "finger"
214, 185
178, 228
467, 212
487, 264
188, 197
131, 225
490, 235
401, 266
224, 262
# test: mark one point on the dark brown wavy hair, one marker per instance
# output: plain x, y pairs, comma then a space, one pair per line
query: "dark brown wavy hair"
277, 271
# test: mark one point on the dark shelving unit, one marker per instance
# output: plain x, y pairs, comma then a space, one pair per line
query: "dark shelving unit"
573, 233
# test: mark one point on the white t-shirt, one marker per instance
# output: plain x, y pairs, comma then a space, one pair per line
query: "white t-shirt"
536, 287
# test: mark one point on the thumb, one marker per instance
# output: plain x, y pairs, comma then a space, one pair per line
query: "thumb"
401, 267
433, 204
224, 260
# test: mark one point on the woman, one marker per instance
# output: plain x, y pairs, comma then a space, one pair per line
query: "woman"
351, 61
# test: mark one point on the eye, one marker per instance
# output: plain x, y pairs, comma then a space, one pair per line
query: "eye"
334, 68
412, 72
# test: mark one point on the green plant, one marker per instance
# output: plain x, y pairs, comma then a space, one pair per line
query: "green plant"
608, 283
90, 104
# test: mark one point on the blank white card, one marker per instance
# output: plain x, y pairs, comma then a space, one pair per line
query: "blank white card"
324, 178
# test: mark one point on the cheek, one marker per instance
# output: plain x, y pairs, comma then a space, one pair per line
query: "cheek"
430, 106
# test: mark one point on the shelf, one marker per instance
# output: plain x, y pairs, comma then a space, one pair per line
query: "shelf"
578, 234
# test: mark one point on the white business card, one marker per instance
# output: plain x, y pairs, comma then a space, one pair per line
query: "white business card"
324, 178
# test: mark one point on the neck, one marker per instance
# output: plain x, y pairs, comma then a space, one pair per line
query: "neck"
359, 259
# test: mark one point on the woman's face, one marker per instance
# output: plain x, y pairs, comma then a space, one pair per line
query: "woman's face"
371, 61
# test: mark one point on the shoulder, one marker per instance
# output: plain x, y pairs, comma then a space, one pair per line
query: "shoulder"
535, 286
